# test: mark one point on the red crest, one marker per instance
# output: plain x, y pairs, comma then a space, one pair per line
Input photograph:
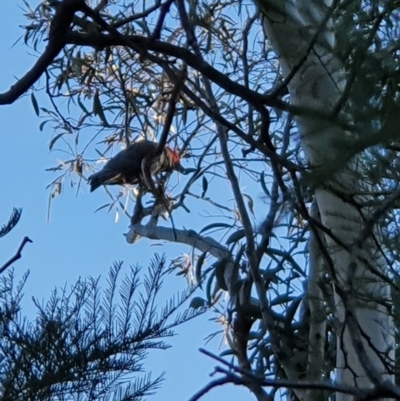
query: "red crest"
173, 155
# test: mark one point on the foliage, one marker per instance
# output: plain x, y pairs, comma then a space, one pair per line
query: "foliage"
85, 342
112, 84
12, 222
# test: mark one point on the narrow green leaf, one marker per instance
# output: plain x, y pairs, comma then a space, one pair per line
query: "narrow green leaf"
197, 303
184, 116
102, 207
199, 265
250, 203
98, 109
54, 140
96, 103
82, 106
42, 124
205, 186
208, 287
263, 184
236, 236
35, 104
227, 352
215, 225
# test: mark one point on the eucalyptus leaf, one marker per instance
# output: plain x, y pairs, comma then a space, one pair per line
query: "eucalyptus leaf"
199, 265
205, 186
236, 236
35, 104
215, 225
197, 303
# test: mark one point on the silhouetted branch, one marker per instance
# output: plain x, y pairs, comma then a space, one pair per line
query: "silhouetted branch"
146, 162
17, 256
383, 389
171, 111
213, 384
57, 35
99, 40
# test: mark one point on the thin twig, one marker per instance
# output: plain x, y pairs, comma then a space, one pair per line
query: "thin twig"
51, 97
136, 16
213, 384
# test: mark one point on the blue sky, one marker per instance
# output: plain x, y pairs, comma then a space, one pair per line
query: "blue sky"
78, 242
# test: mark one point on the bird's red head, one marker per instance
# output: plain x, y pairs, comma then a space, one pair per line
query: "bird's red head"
173, 156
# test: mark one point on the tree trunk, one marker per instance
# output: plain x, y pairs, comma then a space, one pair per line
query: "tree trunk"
300, 33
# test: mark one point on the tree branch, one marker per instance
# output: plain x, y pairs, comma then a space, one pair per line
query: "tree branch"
360, 393
57, 39
214, 384
17, 256
100, 40
188, 237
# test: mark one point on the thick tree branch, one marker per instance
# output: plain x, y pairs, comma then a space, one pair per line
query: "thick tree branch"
100, 40
170, 112
57, 36
188, 237
146, 163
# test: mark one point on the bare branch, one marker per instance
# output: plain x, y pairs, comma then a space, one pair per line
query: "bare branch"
214, 384
17, 256
291, 384
188, 237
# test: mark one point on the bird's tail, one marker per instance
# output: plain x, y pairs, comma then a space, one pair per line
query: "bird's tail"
95, 181
105, 177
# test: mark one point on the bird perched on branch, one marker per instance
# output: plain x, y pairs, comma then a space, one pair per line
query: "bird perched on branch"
126, 166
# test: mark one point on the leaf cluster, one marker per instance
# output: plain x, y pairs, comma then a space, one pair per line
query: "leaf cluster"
86, 342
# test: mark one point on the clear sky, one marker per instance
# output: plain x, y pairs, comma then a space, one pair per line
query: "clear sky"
78, 242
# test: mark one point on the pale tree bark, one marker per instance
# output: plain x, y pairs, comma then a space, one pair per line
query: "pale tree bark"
302, 34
